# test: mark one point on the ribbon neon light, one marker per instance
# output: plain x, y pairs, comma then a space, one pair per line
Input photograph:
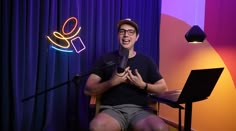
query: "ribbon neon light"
61, 49
67, 38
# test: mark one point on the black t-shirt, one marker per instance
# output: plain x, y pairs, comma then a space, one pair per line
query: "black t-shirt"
126, 93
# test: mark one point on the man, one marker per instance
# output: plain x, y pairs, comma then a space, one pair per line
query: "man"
124, 93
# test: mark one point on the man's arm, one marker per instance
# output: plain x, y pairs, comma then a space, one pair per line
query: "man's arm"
94, 86
157, 88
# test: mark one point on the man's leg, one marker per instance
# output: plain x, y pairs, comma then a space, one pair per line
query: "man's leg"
104, 122
146, 121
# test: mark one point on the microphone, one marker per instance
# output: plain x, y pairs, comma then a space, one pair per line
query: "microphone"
123, 60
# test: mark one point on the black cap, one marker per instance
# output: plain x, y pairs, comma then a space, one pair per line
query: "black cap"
129, 22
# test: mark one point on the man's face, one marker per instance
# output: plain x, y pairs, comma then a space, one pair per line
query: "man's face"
127, 36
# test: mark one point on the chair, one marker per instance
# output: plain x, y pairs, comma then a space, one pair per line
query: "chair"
153, 101
198, 86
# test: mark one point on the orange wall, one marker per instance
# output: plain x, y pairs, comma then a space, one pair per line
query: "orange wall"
177, 59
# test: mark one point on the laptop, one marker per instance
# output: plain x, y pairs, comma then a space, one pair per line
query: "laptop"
199, 85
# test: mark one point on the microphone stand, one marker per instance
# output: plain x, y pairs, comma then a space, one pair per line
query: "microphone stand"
76, 80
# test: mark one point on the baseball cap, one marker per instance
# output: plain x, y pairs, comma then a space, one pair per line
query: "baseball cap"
129, 22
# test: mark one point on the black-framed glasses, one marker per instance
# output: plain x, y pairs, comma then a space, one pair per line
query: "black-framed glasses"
130, 32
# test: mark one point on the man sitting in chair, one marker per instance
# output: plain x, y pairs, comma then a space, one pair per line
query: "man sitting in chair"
123, 93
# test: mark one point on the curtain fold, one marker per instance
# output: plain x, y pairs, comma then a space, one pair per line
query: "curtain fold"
29, 65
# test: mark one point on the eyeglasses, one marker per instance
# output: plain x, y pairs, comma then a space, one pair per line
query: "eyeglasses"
130, 32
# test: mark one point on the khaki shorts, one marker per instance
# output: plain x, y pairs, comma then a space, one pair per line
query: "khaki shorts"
127, 114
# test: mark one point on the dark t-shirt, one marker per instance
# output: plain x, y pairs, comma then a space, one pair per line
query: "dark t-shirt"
126, 93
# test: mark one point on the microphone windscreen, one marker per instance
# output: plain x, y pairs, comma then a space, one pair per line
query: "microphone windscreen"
124, 53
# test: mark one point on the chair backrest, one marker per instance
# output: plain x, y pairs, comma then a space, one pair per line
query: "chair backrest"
95, 103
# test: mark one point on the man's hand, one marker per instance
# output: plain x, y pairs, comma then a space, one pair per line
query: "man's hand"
119, 78
136, 79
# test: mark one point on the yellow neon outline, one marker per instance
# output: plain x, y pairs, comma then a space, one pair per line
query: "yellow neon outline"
63, 37
68, 43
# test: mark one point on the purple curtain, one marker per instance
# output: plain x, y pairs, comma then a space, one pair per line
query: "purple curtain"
29, 65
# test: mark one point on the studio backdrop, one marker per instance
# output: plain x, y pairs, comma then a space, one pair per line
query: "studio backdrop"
46, 43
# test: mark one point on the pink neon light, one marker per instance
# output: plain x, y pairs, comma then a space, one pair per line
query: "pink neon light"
63, 27
78, 51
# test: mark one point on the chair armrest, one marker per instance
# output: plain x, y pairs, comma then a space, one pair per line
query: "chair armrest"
162, 98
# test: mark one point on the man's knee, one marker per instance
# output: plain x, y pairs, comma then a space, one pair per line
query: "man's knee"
104, 122
153, 123
160, 127
157, 124
95, 125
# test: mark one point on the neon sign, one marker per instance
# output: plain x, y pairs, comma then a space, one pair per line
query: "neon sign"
66, 39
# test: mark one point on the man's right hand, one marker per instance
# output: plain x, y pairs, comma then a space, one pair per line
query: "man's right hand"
119, 78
